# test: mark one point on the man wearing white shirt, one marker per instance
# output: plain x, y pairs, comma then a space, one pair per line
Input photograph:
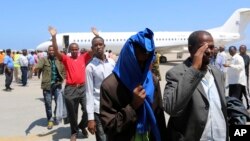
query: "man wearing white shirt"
24, 62
223, 59
96, 71
236, 74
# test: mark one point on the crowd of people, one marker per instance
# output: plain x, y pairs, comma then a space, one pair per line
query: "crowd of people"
121, 99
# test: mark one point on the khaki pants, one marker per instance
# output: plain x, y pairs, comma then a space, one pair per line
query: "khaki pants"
16, 74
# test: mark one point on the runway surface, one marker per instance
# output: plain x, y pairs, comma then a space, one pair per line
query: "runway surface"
23, 116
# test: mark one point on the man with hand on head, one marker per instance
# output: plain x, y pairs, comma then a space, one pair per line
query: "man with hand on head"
74, 91
131, 105
194, 95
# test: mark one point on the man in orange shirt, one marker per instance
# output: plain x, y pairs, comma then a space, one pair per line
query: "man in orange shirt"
1, 61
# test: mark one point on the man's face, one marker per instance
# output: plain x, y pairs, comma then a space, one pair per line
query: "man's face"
242, 49
232, 51
24, 52
204, 38
216, 50
51, 51
98, 47
74, 50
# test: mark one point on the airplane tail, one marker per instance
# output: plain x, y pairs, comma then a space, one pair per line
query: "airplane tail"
237, 23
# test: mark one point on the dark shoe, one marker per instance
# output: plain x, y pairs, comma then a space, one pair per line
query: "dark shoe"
10, 88
7, 90
85, 133
56, 122
73, 137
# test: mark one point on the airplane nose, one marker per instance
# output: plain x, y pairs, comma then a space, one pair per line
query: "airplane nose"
44, 46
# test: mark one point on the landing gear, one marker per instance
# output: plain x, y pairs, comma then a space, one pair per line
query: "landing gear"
179, 55
163, 59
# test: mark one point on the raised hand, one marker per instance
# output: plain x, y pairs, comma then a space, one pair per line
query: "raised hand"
94, 31
198, 57
52, 31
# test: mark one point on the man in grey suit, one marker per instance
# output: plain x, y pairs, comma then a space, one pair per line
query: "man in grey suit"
194, 95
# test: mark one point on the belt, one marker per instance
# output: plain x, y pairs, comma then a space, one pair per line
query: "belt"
75, 85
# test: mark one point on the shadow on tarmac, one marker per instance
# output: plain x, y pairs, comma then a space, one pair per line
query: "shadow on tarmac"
40, 122
58, 133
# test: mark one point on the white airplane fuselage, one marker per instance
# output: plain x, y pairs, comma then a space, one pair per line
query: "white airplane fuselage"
165, 42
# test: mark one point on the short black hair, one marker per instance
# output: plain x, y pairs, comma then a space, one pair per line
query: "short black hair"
194, 39
97, 37
72, 44
232, 47
49, 47
8, 50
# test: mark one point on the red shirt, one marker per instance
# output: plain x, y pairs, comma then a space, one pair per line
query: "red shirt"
75, 68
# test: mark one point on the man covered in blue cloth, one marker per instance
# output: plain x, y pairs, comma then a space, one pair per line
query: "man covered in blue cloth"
131, 104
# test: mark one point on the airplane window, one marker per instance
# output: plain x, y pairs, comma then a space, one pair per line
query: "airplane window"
85, 40
81, 40
88, 40
113, 40
110, 40
74, 40
77, 40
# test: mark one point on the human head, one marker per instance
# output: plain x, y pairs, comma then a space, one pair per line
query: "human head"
243, 49
216, 50
221, 48
98, 46
51, 51
196, 40
8, 51
74, 49
24, 52
135, 59
232, 50
142, 55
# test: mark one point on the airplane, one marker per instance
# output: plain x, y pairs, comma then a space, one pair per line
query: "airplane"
165, 42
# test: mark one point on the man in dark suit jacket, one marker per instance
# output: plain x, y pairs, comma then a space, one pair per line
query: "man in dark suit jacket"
194, 95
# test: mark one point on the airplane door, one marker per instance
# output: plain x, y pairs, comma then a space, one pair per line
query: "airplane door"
65, 42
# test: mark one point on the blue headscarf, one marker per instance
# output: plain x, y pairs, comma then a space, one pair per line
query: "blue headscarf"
130, 73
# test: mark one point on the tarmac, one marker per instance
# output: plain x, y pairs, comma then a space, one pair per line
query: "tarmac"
23, 116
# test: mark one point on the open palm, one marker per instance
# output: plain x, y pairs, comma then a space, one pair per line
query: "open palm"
52, 31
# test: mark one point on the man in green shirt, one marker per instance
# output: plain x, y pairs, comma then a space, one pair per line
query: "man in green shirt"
53, 74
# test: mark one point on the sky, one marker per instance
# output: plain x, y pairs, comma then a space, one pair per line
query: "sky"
24, 23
